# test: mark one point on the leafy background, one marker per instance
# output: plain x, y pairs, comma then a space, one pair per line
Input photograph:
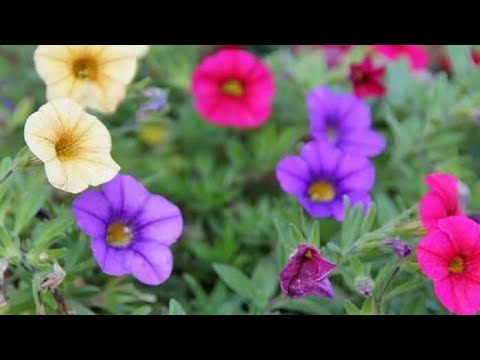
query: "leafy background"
240, 227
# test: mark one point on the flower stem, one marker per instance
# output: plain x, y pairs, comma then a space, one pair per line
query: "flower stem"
379, 299
6, 176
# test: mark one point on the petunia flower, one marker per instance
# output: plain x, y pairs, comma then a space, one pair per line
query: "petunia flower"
307, 274
232, 88
441, 201
417, 55
131, 230
344, 121
450, 257
367, 80
74, 146
322, 175
96, 76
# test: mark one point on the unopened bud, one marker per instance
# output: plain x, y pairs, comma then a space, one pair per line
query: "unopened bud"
400, 248
365, 286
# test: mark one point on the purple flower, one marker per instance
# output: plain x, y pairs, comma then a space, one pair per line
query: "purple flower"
157, 101
131, 230
322, 175
343, 120
306, 274
400, 248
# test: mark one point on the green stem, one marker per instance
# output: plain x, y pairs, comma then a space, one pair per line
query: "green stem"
379, 299
6, 176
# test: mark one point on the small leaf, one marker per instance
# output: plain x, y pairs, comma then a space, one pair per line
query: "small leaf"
297, 234
368, 307
5, 167
351, 309
236, 280
460, 58
369, 219
22, 110
47, 233
5, 239
315, 234
29, 206
264, 280
175, 308
287, 242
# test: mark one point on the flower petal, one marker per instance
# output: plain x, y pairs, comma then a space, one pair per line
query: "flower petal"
454, 293
362, 142
92, 213
434, 253
354, 173
110, 260
150, 262
293, 175
321, 157
463, 232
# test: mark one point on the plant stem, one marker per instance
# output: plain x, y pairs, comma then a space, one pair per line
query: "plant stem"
6, 176
378, 300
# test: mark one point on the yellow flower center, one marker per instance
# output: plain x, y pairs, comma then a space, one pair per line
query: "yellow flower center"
119, 235
85, 68
457, 265
308, 255
233, 88
321, 191
67, 147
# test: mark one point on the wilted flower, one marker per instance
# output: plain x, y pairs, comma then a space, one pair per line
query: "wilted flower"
307, 274
95, 76
131, 230
74, 146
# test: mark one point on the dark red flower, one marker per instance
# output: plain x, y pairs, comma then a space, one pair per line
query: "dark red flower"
476, 57
367, 80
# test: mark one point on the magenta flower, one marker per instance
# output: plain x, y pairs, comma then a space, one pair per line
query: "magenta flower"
322, 175
307, 274
131, 230
450, 257
344, 121
417, 55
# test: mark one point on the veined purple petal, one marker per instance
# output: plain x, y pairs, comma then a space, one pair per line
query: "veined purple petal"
362, 142
316, 210
322, 158
354, 173
353, 112
110, 260
324, 288
293, 175
150, 262
92, 213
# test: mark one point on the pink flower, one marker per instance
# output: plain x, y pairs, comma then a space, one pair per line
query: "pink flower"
450, 256
367, 79
441, 201
307, 274
417, 54
232, 88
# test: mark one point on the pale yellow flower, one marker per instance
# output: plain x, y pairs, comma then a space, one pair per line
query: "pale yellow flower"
96, 76
74, 146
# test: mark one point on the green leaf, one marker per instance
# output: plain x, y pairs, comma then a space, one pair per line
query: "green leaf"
368, 307
287, 242
264, 281
48, 233
351, 309
22, 111
236, 280
5, 167
29, 206
175, 308
369, 219
297, 234
459, 56
314, 238
5, 239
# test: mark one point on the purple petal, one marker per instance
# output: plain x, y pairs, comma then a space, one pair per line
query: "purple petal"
315, 210
321, 99
354, 173
150, 262
110, 260
322, 158
126, 195
159, 221
92, 213
362, 142
353, 113
293, 175
323, 288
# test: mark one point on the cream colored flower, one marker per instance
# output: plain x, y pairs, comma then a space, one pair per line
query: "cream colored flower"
74, 146
96, 76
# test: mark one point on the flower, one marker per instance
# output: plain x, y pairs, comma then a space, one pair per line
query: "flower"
232, 88
400, 248
307, 274
157, 101
74, 146
131, 230
335, 54
441, 201
322, 175
450, 256
417, 55
367, 79
476, 57
365, 286
96, 76
343, 120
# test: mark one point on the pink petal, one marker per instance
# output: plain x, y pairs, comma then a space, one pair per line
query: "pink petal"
458, 295
434, 253
463, 232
